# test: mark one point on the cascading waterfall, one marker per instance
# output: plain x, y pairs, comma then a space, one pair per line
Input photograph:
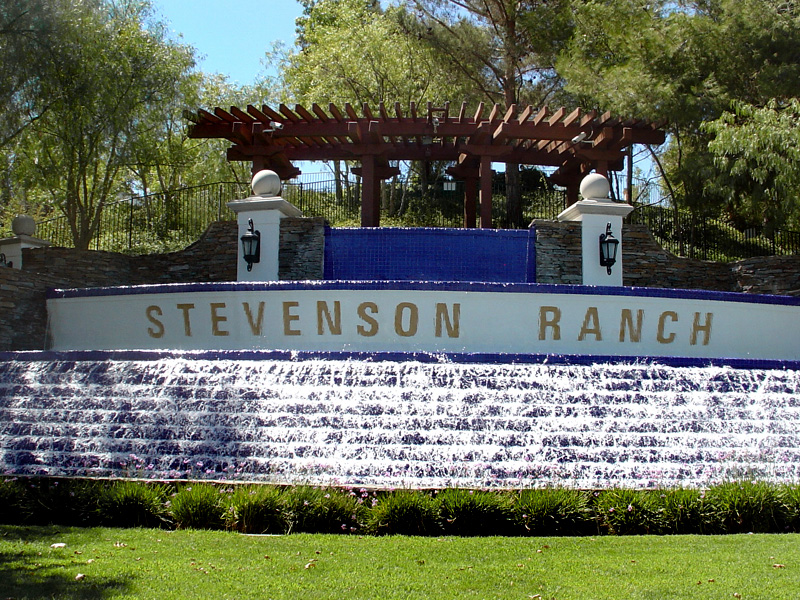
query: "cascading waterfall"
388, 424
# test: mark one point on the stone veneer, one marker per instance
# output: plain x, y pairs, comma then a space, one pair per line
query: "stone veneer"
647, 264
213, 258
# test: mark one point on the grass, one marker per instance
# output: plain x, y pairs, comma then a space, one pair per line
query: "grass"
186, 564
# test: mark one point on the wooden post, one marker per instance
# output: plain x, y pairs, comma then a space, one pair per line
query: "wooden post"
486, 192
470, 201
370, 193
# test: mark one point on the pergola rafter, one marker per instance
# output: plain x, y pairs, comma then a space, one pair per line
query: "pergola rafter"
275, 139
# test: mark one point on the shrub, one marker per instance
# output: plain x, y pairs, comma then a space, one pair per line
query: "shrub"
256, 509
469, 513
685, 511
133, 504
790, 496
198, 506
554, 511
12, 501
628, 512
60, 501
321, 510
749, 506
405, 512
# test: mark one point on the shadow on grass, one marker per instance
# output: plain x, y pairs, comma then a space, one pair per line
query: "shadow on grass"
28, 573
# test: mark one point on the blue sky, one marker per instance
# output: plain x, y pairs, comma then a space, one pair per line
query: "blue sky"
231, 37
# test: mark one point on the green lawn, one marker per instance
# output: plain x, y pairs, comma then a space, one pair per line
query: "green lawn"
159, 564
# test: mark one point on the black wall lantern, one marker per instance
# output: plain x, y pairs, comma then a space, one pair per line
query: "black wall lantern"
251, 245
608, 249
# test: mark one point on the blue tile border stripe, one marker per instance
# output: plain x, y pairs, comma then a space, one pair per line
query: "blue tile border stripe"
424, 357
458, 286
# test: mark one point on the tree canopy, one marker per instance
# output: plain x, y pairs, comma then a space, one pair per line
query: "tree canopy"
687, 63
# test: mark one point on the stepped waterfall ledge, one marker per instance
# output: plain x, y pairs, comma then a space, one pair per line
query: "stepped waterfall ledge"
416, 358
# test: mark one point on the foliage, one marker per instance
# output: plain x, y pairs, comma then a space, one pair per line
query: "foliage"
106, 71
757, 151
198, 506
684, 63
132, 504
321, 510
470, 512
627, 512
12, 499
730, 507
404, 512
256, 509
355, 51
686, 511
749, 507
554, 511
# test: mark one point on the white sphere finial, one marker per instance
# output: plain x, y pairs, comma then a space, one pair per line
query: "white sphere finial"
595, 186
23, 225
266, 183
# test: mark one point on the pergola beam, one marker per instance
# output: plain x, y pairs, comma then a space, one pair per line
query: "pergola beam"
275, 139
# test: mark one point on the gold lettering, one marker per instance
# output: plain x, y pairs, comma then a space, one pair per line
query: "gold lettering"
187, 326
696, 328
413, 319
257, 323
362, 313
288, 318
549, 316
158, 332
594, 329
324, 316
626, 322
442, 316
666, 339
217, 318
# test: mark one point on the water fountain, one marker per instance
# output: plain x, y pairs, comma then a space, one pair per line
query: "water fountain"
409, 384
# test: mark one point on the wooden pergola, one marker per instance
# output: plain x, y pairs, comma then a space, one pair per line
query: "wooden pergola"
574, 142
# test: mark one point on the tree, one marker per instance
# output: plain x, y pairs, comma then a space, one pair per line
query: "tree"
758, 151
355, 51
506, 48
104, 76
683, 62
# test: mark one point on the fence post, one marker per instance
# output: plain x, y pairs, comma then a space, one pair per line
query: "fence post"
130, 225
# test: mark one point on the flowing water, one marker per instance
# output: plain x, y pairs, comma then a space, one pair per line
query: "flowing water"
389, 424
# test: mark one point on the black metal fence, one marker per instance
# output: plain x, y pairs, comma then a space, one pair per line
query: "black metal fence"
172, 220
706, 238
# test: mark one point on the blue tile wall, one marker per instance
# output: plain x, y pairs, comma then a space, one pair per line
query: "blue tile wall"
428, 254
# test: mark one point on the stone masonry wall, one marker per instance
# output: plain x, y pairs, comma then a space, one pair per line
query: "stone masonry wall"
23, 325
212, 258
302, 253
647, 264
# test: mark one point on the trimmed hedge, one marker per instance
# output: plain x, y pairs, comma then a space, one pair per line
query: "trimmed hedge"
729, 507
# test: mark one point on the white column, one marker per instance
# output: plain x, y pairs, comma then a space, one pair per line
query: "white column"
266, 208
595, 212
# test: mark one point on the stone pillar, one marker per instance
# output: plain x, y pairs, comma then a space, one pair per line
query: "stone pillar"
595, 212
23, 227
266, 208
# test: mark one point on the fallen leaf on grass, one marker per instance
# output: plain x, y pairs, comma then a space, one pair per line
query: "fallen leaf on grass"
58, 545
311, 564
778, 566
79, 576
